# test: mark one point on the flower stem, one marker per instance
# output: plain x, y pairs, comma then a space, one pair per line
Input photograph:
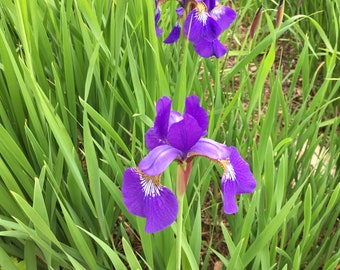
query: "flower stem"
179, 232
183, 174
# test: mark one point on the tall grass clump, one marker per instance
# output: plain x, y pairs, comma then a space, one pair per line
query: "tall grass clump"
79, 81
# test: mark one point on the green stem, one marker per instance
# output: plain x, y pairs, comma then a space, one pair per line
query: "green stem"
179, 232
183, 173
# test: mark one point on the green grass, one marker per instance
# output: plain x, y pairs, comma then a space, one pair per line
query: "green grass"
79, 81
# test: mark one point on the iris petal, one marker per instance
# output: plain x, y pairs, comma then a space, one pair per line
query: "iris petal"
184, 134
142, 197
219, 48
210, 149
132, 191
174, 34
160, 210
199, 25
206, 48
152, 139
157, 17
237, 179
174, 117
180, 12
229, 188
246, 182
223, 15
192, 107
158, 159
163, 108
210, 4
156, 135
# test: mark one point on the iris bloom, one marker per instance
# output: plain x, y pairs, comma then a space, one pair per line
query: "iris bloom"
180, 137
205, 21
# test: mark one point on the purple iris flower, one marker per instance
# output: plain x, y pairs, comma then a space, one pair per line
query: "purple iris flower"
205, 21
179, 137
206, 48
145, 196
176, 30
236, 179
204, 24
157, 17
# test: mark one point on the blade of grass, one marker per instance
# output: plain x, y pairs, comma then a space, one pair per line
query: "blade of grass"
130, 256
272, 227
114, 257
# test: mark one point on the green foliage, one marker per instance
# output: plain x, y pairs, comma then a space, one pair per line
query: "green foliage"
79, 81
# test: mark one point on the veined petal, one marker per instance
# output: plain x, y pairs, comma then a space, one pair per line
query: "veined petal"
152, 139
210, 149
184, 134
174, 34
144, 196
237, 179
200, 25
192, 107
163, 108
223, 15
246, 182
210, 4
160, 210
156, 135
219, 48
175, 117
158, 159
229, 191
206, 48
132, 191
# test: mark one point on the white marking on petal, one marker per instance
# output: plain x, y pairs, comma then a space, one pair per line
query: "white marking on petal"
202, 17
201, 12
229, 171
216, 12
149, 187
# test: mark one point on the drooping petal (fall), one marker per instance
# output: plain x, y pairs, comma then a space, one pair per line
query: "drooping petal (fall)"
174, 34
144, 196
237, 179
200, 25
229, 192
246, 182
210, 149
158, 159
132, 191
206, 48
161, 210
223, 15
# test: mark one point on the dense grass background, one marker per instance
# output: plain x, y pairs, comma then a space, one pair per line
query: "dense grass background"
78, 85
